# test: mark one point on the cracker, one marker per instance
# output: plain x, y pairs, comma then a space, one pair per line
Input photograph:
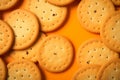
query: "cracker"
92, 14
110, 32
6, 37
110, 71
50, 16
25, 26
116, 2
60, 2
30, 53
56, 53
94, 51
3, 70
87, 73
23, 70
6, 4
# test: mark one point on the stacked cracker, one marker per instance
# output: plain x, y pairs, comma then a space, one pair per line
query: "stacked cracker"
99, 57
22, 38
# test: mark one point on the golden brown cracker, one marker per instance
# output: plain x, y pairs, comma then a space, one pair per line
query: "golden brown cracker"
93, 51
50, 16
25, 26
56, 53
92, 14
6, 37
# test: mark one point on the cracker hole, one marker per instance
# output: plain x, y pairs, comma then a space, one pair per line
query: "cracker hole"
113, 37
88, 51
6, 30
95, 11
117, 21
29, 75
103, 8
101, 15
54, 14
112, 28
107, 57
96, 3
91, 18
23, 21
20, 26
22, 35
36, 7
94, 49
23, 58
55, 53
41, 17
113, 77
88, 13
89, 6
21, 75
88, 76
1, 39
88, 62
91, 56
27, 29
51, 10
16, 19
43, 11
103, 48
27, 52
48, 18
14, 26
98, 21
14, 78
16, 70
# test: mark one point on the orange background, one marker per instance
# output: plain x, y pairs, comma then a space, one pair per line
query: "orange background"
74, 32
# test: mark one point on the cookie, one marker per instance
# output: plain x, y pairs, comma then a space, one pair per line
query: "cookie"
30, 53
25, 26
116, 2
94, 51
6, 4
60, 2
23, 70
50, 16
6, 37
87, 73
110, 71
110, 32
92, 14
56, 53
3, 70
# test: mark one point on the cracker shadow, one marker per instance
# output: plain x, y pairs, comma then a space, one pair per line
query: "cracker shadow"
41, 71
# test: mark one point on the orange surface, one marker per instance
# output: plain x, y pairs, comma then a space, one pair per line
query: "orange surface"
75, 33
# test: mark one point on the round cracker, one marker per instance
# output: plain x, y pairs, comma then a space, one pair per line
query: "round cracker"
6, 37
87, 73
92, 14
23, 70
116, 2
60, 2
6, 4
3, 70
56, 53
25, 26
110, 32
110, 71
30, 53
94, 51
50, 16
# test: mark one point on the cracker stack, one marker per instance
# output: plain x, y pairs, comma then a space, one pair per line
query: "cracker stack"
28, 35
